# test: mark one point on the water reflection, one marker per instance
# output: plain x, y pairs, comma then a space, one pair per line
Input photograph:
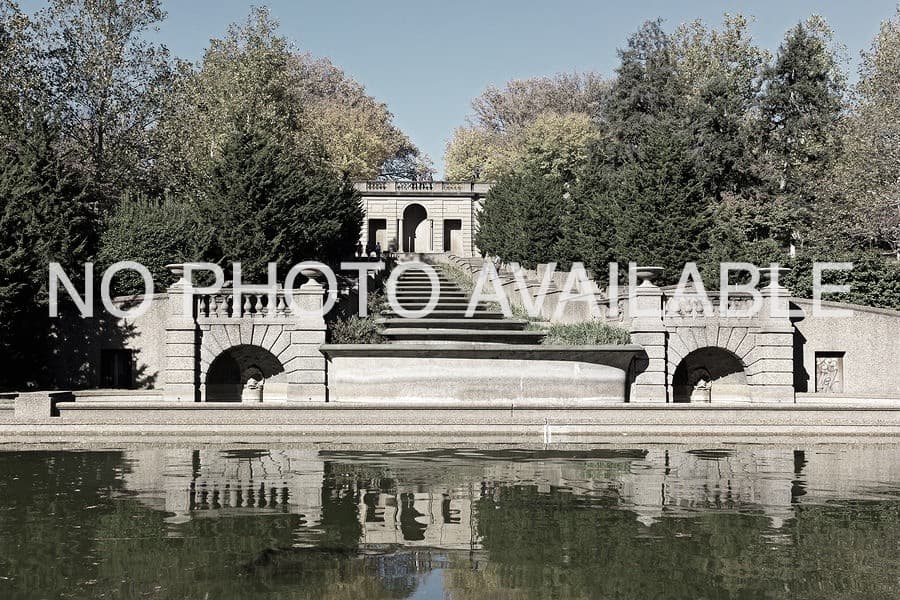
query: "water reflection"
654, 522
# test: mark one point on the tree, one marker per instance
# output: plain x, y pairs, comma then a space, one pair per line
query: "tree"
864, 190
45, 215
509, 125
720, 73
356, 130
254, 76
800, 107
243, 79
523, 100
640, 193
524, 219
266, 203
107, 82
475, 154
153, 232
23, 91
556, 145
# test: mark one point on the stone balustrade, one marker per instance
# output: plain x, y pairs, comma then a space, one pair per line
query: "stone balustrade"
693, 306
443, 187
252, 304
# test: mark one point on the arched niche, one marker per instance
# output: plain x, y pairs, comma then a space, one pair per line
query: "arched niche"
710, 374
230, 371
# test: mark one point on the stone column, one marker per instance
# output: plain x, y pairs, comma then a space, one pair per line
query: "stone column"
649, 331
770, 364
180, 377
305, 366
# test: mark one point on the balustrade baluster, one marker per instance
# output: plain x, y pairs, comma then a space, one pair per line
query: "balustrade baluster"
262, 305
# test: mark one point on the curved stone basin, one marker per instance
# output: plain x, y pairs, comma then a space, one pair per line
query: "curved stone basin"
466, 372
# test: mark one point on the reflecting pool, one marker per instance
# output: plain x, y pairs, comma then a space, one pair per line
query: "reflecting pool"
821, 521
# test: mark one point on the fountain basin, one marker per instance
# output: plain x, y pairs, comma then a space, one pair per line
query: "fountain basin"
462, 372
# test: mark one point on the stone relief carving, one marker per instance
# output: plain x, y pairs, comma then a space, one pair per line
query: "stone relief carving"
829, 374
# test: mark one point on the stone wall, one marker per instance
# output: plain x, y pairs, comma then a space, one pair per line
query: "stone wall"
430, 232
858, 356
79, 342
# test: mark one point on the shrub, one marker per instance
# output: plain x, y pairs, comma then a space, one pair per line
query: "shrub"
464, 279
355, 330
154, 233
588, 333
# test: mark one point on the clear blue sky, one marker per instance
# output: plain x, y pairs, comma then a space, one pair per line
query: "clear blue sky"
427, 60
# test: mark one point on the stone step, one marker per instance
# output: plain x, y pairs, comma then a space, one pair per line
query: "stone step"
425, 296
462, 305
424, 282
462, 335
426, 286
480, 324
479, 313
422, 277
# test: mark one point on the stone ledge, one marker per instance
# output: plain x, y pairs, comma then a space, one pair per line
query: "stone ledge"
39, 406
890, 405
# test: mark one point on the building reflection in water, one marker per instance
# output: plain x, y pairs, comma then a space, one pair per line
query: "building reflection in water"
206, 483
427, 500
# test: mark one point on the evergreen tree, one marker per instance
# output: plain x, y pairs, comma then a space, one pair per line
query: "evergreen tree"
45, 216
720, 73
264, 203
800, 108
524, 219
640, 190
154, 233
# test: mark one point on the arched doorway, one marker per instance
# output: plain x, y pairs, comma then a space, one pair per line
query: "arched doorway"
710, 375
231, 370
416, 229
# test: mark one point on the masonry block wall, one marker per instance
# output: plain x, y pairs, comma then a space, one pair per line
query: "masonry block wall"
439, 224
278, 346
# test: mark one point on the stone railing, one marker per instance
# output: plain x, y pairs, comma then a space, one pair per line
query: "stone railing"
456, 187
252, 304
696, 306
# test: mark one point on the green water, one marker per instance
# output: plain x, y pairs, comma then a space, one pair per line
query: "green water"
643, 523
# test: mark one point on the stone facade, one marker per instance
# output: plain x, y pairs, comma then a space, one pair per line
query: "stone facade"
782, 350
427, 217
275, 344
687, 352
853, 357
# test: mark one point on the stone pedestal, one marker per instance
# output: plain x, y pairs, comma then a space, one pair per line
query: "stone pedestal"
180, 377
649, 331
770, 364
306, 366
38, 406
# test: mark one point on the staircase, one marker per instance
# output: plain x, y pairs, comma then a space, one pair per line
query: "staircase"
448, 321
